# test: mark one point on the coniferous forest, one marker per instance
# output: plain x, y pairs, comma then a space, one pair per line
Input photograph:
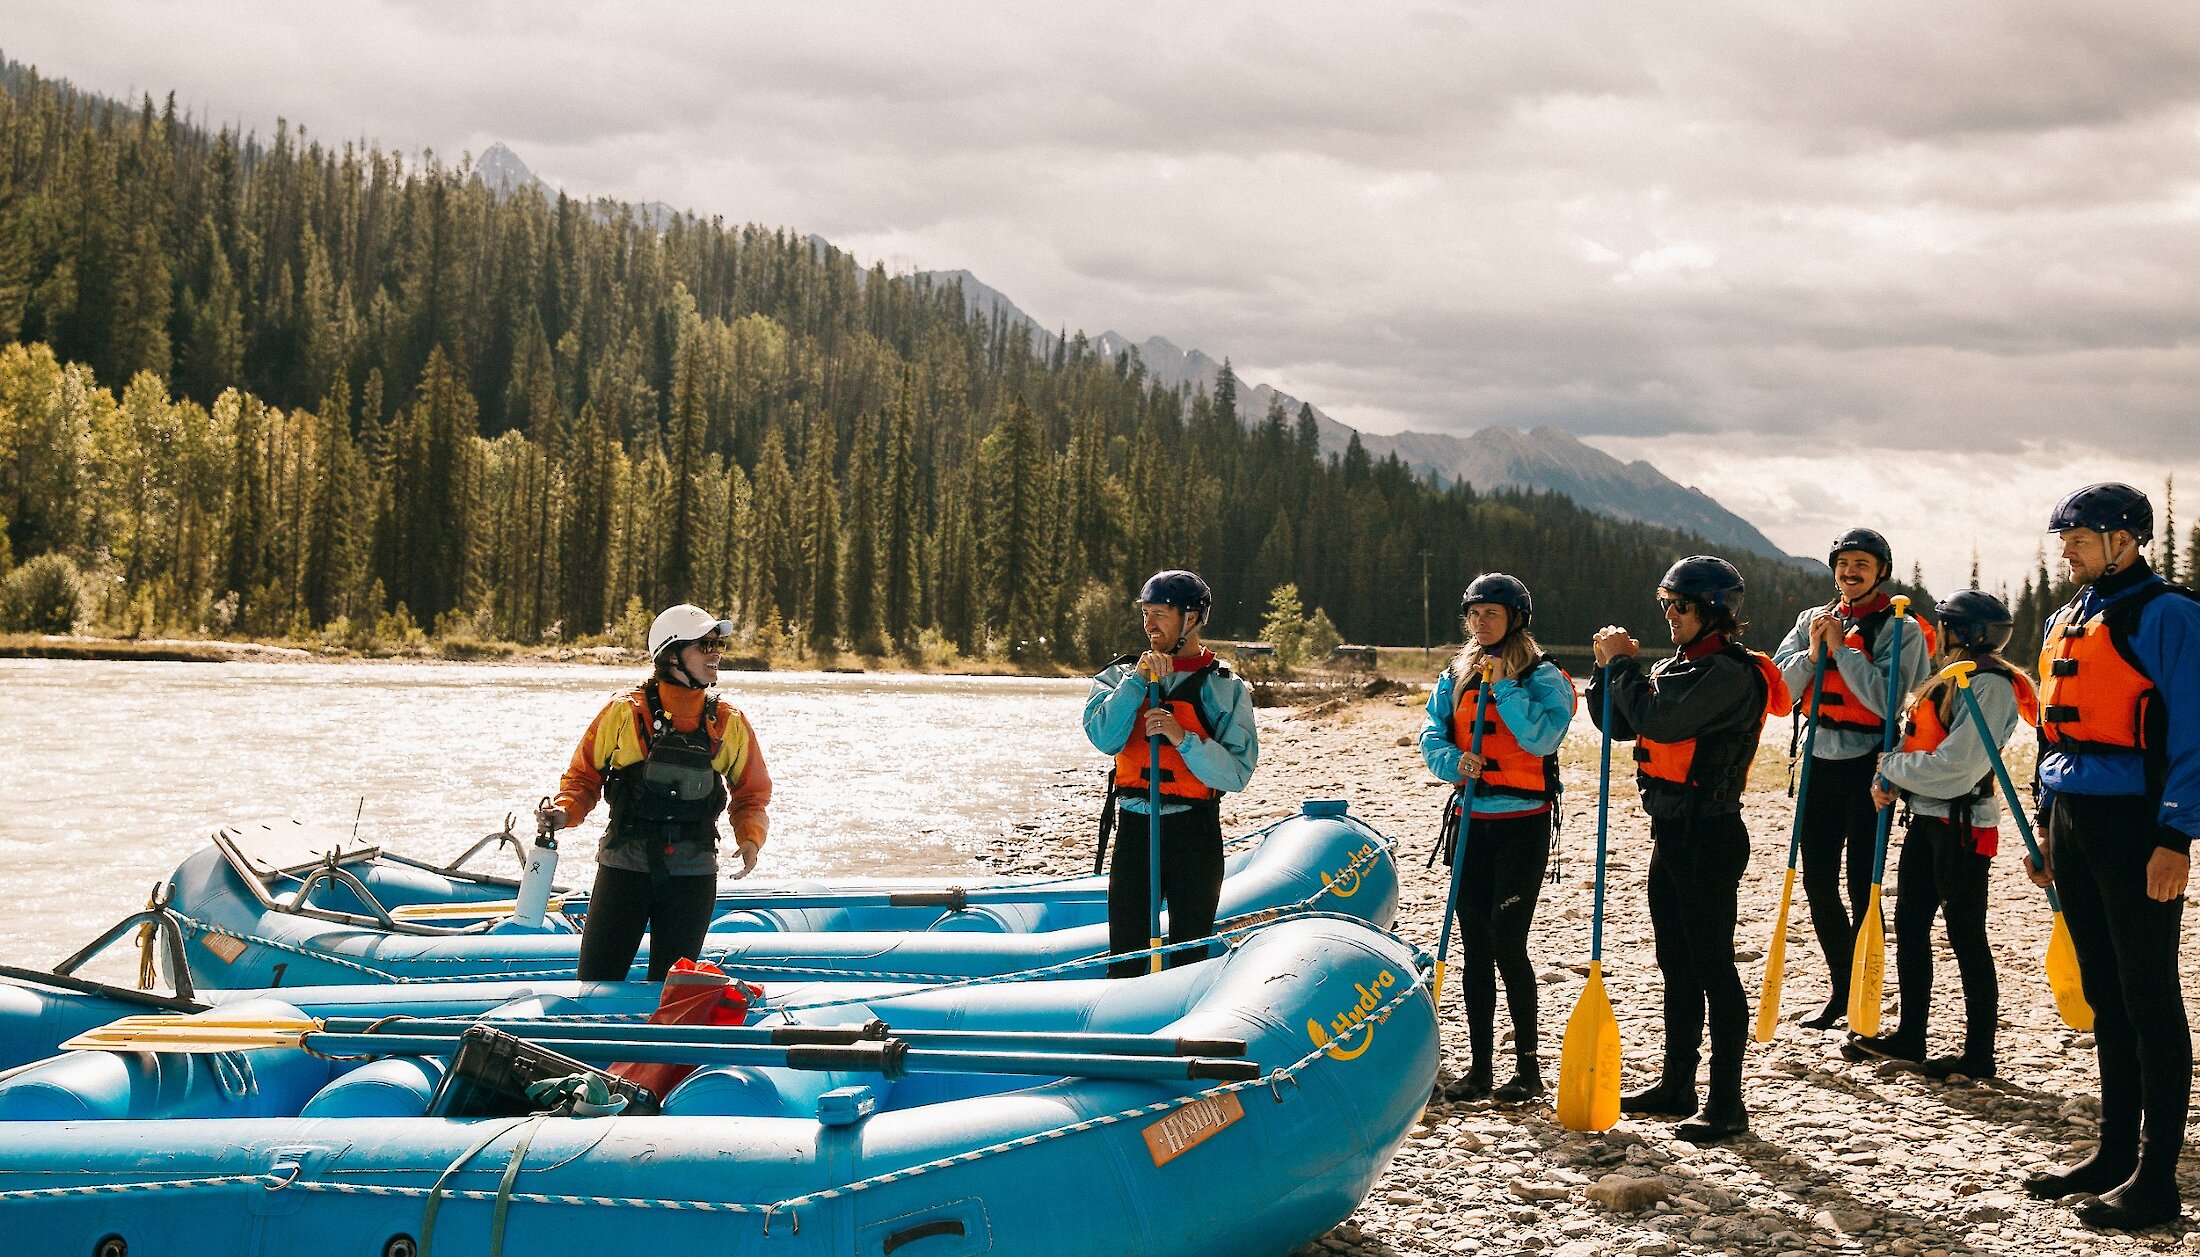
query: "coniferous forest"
283, 388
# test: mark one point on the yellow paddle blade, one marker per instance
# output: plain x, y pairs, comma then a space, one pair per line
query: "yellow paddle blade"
1588, 1061
1868, 973
1436, 988
154, 1032
480, 910
1768, 1001
2062, 978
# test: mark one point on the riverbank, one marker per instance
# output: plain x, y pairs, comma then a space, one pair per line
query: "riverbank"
1844, 1158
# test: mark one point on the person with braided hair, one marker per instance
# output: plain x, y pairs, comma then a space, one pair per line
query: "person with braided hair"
1946, 773
1508, 834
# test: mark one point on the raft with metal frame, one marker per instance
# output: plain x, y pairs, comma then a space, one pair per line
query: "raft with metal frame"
1325, 1023
281, 909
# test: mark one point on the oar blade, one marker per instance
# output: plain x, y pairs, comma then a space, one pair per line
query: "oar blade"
1868, 972
1588, 1062
2062, 978
1768, 1001
155, 1033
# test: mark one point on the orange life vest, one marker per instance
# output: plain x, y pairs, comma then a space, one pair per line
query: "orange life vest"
1839, 707
1177, 781
1510, 768
1923, 730
2093, 695
1716, 765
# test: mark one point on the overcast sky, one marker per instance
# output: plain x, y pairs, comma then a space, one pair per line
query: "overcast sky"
1916, 265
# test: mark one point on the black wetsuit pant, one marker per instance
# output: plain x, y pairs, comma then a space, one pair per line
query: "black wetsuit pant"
2127, 959
1506, 858
1696, 866
676, 912
1941, 871
1191, 883
1840, 832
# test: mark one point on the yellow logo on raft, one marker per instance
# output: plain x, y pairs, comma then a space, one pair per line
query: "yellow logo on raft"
1353, 1017
1346, 882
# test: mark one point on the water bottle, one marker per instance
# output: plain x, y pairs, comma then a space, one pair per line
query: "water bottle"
534, 882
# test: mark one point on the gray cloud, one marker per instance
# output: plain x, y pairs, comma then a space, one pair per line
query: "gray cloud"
1886, 224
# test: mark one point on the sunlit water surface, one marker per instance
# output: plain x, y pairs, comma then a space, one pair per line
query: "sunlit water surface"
115, 772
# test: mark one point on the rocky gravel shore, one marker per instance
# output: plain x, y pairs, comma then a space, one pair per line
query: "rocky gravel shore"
1844, 1158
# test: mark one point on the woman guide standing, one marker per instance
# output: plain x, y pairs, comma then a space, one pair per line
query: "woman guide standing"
670, 755
1946, 773
1695, 719
1508, 835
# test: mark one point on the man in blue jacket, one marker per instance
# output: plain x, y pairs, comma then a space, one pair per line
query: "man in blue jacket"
1208, 747
2119, 787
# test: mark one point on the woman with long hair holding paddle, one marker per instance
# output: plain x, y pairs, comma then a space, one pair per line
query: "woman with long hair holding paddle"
1507, 830
1946, 773
1695, 720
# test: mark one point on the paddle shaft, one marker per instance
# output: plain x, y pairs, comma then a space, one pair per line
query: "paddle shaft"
1867, 971
1459, 836
1153, 830
1888, 742
1768, 1002
2008, 787
890, 1057
1604, 820
790, 1035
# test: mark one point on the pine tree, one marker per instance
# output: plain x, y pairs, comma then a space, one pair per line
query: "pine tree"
899, 519
1012, 466
820, 522
865, 583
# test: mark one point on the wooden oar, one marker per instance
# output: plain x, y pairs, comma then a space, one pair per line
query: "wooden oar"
1588, 1061
892, 1057
2062, 956
1459, 838
1768, 999
1868, 970
473, 910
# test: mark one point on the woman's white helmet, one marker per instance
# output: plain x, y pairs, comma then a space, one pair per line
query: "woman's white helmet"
677, 626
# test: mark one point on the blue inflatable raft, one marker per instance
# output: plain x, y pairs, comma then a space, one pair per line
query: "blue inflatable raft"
280, 1150
274, 910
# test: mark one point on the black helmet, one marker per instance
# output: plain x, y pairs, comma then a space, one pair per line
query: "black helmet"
1704, 578
2105, 508
1975, 620
1505, 591
1866, 540
1178, 588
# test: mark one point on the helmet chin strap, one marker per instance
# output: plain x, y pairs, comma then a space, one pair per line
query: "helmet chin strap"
677, 672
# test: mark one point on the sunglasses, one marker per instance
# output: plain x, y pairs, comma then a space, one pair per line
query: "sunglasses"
712, 645
1675, 606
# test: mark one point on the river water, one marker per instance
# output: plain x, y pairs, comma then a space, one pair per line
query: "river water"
115, 772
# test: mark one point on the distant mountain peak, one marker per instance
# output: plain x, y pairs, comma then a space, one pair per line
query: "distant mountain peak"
506, 174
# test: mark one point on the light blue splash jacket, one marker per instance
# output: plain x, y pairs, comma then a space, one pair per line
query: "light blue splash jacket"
1223, 761
1536, 710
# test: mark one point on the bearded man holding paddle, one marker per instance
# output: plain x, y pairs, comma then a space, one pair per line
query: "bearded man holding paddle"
1695, 720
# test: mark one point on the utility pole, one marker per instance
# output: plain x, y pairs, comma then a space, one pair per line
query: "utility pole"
1424, 602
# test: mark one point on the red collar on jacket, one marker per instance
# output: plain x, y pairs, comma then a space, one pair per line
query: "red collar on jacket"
1193, 663
1708, 644
1879, 601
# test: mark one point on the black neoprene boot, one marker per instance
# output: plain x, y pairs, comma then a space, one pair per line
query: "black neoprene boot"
1830, 1016
1526, 1083
2135, 1206
1476, 1084
1723, 1118
1884, 1047
2096, 1175
1669, 1098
